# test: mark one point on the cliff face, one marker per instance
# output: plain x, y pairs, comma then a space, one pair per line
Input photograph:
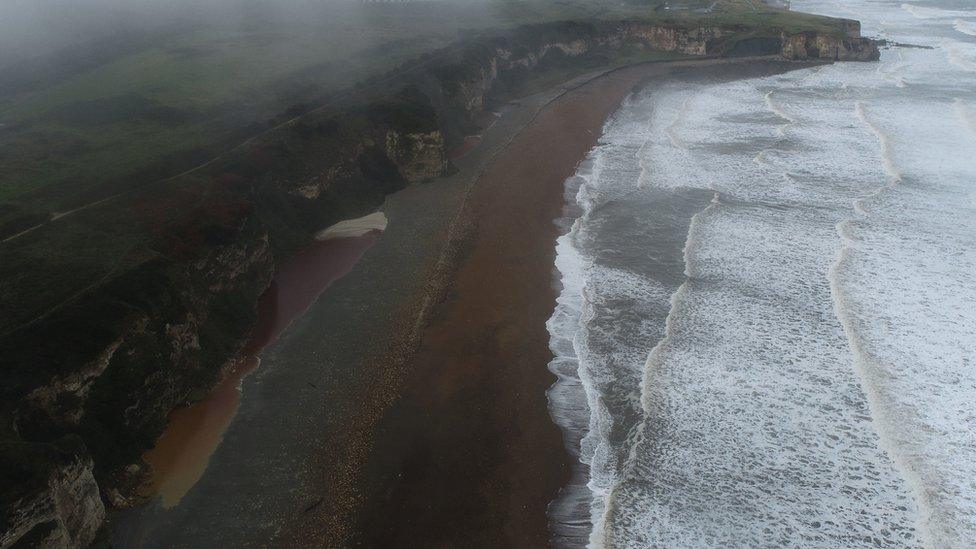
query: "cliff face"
419, 156
113, 364
693, 41
814, 46
55, 501
476, 77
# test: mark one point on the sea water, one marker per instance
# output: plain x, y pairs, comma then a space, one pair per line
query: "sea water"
766, 331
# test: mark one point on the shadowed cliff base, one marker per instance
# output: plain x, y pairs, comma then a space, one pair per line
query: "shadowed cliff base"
183, 451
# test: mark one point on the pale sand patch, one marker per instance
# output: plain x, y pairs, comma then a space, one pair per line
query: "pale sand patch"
375, 221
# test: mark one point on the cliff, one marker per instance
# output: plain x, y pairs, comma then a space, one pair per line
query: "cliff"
49, 496
90, 383
477, 74
814, 46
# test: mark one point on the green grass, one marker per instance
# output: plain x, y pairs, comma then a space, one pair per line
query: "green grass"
174, 102
151, 111
228, 82
218, 81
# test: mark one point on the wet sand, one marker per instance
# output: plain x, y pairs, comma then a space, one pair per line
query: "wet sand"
183, 451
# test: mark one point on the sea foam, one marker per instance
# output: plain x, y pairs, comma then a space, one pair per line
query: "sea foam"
769, 299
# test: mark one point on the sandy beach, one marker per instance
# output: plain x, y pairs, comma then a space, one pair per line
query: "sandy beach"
469, 455
409, 402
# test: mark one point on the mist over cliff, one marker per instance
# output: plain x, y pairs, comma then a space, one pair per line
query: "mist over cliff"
33, 28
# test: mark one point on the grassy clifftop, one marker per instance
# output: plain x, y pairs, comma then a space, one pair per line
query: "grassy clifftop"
116, 113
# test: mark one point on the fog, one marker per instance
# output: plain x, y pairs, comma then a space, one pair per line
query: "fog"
32, 28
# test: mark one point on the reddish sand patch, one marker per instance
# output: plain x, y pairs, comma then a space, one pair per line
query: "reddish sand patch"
183, 451
299, 282
469, 143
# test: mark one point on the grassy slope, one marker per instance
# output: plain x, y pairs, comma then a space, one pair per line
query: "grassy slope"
165, 104
193, 90
169, 103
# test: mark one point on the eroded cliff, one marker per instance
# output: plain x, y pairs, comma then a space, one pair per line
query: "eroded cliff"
98, 376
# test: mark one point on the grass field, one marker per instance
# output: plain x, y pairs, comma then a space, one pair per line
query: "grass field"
115, 117
188, 93
154, 105
146, 108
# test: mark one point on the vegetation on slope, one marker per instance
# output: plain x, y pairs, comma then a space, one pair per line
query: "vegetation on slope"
129, 125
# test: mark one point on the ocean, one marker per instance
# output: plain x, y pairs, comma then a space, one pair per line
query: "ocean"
766, 328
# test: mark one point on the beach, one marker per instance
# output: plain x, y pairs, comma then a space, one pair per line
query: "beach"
409, 402
470, 454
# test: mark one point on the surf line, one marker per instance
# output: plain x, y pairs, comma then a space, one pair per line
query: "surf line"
865, 367
652, 399
892, 173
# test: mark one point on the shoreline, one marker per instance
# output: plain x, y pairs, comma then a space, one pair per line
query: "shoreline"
326, 438
470, 453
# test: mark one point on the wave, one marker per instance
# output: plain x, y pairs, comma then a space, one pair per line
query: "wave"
893, 174
643, 179
868, 372
884, 140
650, 395
968, 118
957, 55
894, 72
965, 27
778, 111
966, 115
671, 132
924, 12
760, 158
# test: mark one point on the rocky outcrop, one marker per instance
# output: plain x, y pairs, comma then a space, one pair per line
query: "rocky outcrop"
690, 41
53, 502
419, 156
830, 48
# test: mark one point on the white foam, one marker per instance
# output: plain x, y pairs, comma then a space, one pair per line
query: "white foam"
927, 12
965, 27
960, 54
809, 381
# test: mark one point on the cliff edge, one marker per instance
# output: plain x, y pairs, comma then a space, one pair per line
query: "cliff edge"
88, 383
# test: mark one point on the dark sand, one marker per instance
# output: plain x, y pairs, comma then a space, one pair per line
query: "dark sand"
351, 434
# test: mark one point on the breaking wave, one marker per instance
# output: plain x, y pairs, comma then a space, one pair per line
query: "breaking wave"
965, 27
764, 330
